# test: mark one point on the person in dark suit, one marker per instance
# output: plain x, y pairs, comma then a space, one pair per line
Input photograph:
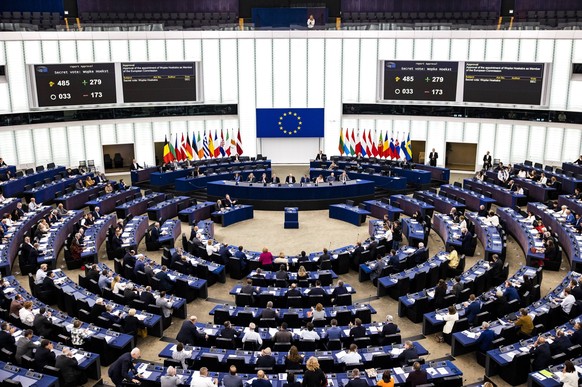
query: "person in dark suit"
224, 253
228, 332
389, 328
92, 273
69, 367
117, 244
466, 239
139, 264
129, 293
541, 354
6, 339
275, 179
189, 333
135, 166
357, 253
155, 234
408, 354
561, 343
42, 323
293, 291
130, 323
219, 206
321, 156
338, 291
269, 312
266, 360
432, 157
96, 213
228, 202
357, 330
576, 337
496, 271
485, 338
440, 293
305, 180
120, 369
356, 381
166, 283
487, 161
417, 377
290, 179
129, 258
97, 309
500, 307
44, 355
317, 290
147, 297
472, 309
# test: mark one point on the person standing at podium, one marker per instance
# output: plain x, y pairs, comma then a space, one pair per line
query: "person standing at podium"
311, 22
135, 166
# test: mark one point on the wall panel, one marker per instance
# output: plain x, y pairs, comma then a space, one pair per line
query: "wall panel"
42, 154
315, 72
368, 70
298, 69
282, 84
350, 70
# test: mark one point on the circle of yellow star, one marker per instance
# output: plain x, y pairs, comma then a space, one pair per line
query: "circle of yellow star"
281, 125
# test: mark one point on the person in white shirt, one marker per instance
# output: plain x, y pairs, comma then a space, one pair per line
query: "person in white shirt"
569, 375
492, 219
563, 210
543, 179
32, 206
450, 319
462, 222
352, 356
179, 353
203, 380
210, 248
308, 333
530, 218
25, 314
251, 335
40, 274
519, 190
568, 301
389, 236
311, 22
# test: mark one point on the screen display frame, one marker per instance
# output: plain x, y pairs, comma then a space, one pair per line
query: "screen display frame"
33, 96
544, 99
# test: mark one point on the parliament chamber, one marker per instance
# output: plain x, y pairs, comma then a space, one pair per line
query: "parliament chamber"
295, 194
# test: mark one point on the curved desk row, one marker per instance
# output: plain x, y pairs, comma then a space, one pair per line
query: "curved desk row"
473, 200
134, 231
378, 208
15, 235
167, 209
179, 305
194, 214
234, 214
19, 375
15, 187
570, 202
170, 177
503, 196
296, 317
440, 202
76, 199
523, 232
308, 196
52, 243
408, 257
278, 295
107, 202
95, 236
438, 372
570, 240
8, 205
568, 183
208, 270
392, 183
417, 304
449, 231
55, 188
491, 239
115, 343
187, 184
542, 312
138, 205
269, 277
74, 297
414, 232
549, 377
411, 205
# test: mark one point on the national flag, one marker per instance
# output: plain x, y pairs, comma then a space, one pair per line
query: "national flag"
369, 150
239, 149
168, 157
183, 151
408, 148
232, 144
222, 152
365, 149
201, 149
346, 144
353, 143
358, 144
177, 149
227, 144
206, 148
376, 148
172, 149
189, 151
341, 142
392, 151
195, 151
216, 144
402, 145
211, 145
386, 147
396, 148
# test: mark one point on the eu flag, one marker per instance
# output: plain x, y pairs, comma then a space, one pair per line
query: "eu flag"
290, 122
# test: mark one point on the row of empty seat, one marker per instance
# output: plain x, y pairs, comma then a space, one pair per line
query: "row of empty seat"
14, 21
482, 17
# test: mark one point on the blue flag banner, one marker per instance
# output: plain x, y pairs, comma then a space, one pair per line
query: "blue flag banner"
290, 122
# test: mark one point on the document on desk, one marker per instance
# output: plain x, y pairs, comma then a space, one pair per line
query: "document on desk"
432, 372
398, 371
439, 317
272, 331
396, 351
442, 371
430, 293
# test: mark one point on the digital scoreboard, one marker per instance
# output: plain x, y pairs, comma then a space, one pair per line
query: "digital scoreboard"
420, 81
73, 84
509, 83
159, 82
